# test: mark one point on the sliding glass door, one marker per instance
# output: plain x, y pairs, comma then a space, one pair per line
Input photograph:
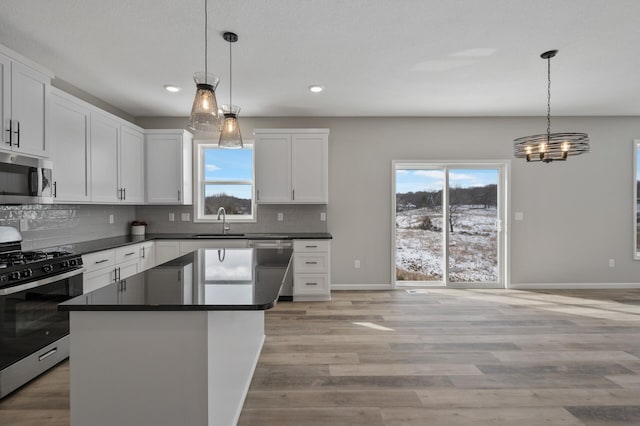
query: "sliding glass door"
448, 224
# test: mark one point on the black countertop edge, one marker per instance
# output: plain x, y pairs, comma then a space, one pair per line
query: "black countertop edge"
164, 308
86, 247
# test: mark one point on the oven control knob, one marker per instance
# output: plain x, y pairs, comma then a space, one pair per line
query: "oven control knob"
14, 275
73, 262
26, 273
47, 268
65, 263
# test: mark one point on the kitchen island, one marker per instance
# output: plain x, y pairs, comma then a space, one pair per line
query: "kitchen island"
176, 344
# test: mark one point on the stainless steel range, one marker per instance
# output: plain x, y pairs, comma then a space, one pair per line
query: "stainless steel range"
34, 335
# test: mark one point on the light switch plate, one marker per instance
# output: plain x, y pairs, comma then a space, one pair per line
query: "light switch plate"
323, 216
111, 219
280, 217
24, 224
172, 217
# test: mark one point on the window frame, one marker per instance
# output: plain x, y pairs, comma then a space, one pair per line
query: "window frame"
200, 182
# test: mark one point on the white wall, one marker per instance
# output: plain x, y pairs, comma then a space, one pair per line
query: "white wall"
577, 214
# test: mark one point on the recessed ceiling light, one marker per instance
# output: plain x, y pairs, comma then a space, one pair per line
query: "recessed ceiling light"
316, 88
171, 88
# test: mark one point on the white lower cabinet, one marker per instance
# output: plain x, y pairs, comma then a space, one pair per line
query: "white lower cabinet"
106, 267
147, 255
187, 246
311, 270
166, 250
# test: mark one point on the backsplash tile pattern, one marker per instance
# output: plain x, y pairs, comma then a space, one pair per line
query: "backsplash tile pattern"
297, 218
50, 225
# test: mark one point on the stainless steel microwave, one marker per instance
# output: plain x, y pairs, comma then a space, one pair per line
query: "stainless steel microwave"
25, 180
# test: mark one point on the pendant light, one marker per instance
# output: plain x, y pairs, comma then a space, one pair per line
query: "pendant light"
204, 113
551, 146
230, 131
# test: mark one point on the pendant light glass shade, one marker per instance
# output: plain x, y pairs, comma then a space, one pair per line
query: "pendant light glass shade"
204, 113
230, 136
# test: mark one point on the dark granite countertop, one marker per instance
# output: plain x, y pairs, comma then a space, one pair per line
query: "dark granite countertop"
86, 247
205, 280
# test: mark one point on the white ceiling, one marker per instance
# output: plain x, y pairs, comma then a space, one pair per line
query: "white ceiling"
375, 57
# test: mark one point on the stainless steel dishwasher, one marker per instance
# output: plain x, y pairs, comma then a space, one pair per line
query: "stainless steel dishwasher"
286, 293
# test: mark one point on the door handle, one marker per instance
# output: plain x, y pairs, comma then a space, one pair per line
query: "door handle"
17, 132
10, 130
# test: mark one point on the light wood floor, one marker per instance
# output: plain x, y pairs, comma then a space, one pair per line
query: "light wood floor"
436, 357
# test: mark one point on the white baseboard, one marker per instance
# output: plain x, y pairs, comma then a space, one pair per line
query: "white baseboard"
570, 286
338, 287
512, 286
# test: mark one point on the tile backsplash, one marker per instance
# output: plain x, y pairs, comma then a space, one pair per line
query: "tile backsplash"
49, 225
296, 218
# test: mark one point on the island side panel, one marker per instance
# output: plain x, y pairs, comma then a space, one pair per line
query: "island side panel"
136, 368
235, 342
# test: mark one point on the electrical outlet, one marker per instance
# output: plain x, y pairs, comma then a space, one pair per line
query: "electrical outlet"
24, 224
185, 217
323, 216
172, 217
356, 263
280, 217
111, 219
612, 263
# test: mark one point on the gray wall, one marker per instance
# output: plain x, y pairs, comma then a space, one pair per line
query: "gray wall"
577, 215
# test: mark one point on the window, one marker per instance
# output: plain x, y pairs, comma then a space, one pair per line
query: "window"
224, 179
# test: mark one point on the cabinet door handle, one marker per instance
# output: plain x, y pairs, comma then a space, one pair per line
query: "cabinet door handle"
101, 261
55, 189
310, 283
17, 132
258, 194
143, 252
311, 246
10, 130
311, 263
293, 194
124, 193
130, 254
179, 195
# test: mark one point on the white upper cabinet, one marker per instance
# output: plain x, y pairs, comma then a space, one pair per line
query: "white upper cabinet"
117, 161
68, 136
131, 166
273, 168
309, 168
292, 166
24, 95
105, 136
168, 166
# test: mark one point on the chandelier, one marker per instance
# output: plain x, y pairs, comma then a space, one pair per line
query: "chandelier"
549, 146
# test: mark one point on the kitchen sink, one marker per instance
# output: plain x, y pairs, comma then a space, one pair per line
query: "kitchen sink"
217, 235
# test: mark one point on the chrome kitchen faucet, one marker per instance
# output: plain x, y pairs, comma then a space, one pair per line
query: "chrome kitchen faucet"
225, 227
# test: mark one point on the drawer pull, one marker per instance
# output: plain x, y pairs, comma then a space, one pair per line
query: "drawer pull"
130, 254
101, 261
310, 283
311, 246
310, 263
47, 354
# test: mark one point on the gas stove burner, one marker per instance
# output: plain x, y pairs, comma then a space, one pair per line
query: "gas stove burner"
13, 258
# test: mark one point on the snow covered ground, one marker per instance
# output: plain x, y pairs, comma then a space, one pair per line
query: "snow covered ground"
472, 249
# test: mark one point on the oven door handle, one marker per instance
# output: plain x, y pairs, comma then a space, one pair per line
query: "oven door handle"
38, 283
